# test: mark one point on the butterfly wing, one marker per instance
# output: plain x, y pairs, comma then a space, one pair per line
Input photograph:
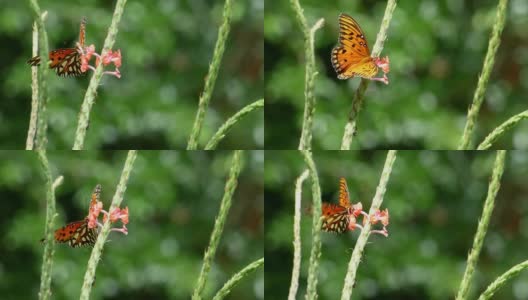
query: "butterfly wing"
352, 55
66, 62
76, 234
335, 218
344, 197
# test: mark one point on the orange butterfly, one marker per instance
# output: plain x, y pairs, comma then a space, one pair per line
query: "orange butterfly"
351, 57
337, 218
77, 234
65, 61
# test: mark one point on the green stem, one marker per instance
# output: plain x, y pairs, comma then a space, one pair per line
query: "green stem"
105, 230
42, 126
224, 129
89, 97
478, 97
357, 102
311, 293
478, 240
365, 232
502, 280
32, 131
309, 95
497, 132
47, 258
294, 286
210, 79
224, 291
230, 187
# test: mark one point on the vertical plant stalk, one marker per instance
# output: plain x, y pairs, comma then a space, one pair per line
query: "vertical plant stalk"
493, 189
224, 129
230, 187
89, 97
478, 97
105, 230
501, 280
47, 258
499, 131
32, 131
365, 232
294, 286
224, 291
42, 121
309, 94
311, 293
357, 102
210, 79
305, 142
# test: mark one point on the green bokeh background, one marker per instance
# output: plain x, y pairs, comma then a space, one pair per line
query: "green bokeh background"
436, 49
173, 199
166, 48
435, 200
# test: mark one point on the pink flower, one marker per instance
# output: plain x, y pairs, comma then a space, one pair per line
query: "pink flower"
118, 213
383, 63
95, 210
114, 57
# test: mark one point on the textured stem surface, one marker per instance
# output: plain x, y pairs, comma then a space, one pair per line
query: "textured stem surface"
230, 187
224, 129
42, 121
47, 258
311, 293
478, 97
499, 131
473, 256
91, 92
224, 291
294, 285
309, 82
365, 232
105, 230
502, 280
210, 79
357, 102
32, 130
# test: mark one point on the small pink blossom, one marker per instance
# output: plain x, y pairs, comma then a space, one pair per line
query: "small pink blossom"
383, 63
118, 213
95, 210
112, 57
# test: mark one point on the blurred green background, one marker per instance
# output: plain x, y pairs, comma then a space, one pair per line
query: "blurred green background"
166, 48
435, 200
436, 49
173, 199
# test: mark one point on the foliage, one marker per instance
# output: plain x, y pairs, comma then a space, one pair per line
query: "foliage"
166, 46
436, 50
173, 197
435, 200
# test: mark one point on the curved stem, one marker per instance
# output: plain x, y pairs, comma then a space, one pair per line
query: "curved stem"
502, 280
224, 129
32, 130
230, 187
224, 291
365, 232
497, 132
493, 189
478, 97
294, 285
357, 102
89, 97
210, 79
315, 254
105, 230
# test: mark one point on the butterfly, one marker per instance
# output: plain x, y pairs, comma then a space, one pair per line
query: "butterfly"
78, 234
337, 218
65, 61
351, 57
